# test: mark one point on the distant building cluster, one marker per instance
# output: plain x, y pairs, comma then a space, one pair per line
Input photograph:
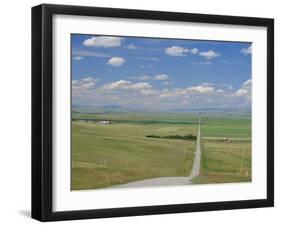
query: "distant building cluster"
104, 122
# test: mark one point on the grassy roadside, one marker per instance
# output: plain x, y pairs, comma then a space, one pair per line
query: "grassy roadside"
226, 159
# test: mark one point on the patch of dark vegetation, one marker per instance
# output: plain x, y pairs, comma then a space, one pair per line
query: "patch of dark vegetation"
176, 137
148, 122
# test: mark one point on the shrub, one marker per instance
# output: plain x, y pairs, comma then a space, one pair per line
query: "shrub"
177, 137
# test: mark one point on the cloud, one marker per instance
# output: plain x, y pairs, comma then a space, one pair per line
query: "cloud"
167, 83
247, 83
87, 82
220, 91
147, 66
83, 85
141, 78
145, 58
209, 54
86, 53
77, 58
183, 93
161, 77
116, 61
148, 92
103, 41
247, 51
126, 85
194, 51
176, 51
208, 84
144, 77
121, 84
142, 95
132, 47
245, 90
201, 89
141, 86
202, 63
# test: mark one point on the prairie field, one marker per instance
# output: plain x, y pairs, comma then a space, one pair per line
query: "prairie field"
107, 155
226, 150
120, 152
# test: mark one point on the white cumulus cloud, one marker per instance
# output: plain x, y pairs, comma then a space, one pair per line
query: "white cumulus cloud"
209, 54
148, 92
116, 61
247, 51
161, 77
103, 41
80, 86
245, 90
176, 51
201, 89
194, 51
167, 96
126, 85
121, 84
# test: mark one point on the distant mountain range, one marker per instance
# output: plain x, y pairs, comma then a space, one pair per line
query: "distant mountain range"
213, 110
101, 109
88, 109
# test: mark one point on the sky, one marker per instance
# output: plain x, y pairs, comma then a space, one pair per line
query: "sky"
160, 74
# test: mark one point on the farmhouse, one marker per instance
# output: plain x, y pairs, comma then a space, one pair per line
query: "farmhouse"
105, 122
226, 140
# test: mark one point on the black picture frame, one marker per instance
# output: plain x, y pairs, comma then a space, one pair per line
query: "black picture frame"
42, 111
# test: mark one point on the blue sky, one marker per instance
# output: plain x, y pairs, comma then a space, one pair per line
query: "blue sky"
158, 73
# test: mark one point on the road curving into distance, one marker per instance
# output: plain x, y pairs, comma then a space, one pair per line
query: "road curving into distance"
164, 181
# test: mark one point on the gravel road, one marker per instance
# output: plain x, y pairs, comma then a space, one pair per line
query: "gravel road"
164, 181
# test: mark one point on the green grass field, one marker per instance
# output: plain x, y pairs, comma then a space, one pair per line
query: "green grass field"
107, 155
225, 161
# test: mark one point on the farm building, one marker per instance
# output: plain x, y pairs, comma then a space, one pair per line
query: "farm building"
103, 122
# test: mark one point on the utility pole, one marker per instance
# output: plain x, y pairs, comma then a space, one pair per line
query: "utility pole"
242, 161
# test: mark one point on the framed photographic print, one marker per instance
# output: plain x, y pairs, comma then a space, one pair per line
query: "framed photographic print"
145, 112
